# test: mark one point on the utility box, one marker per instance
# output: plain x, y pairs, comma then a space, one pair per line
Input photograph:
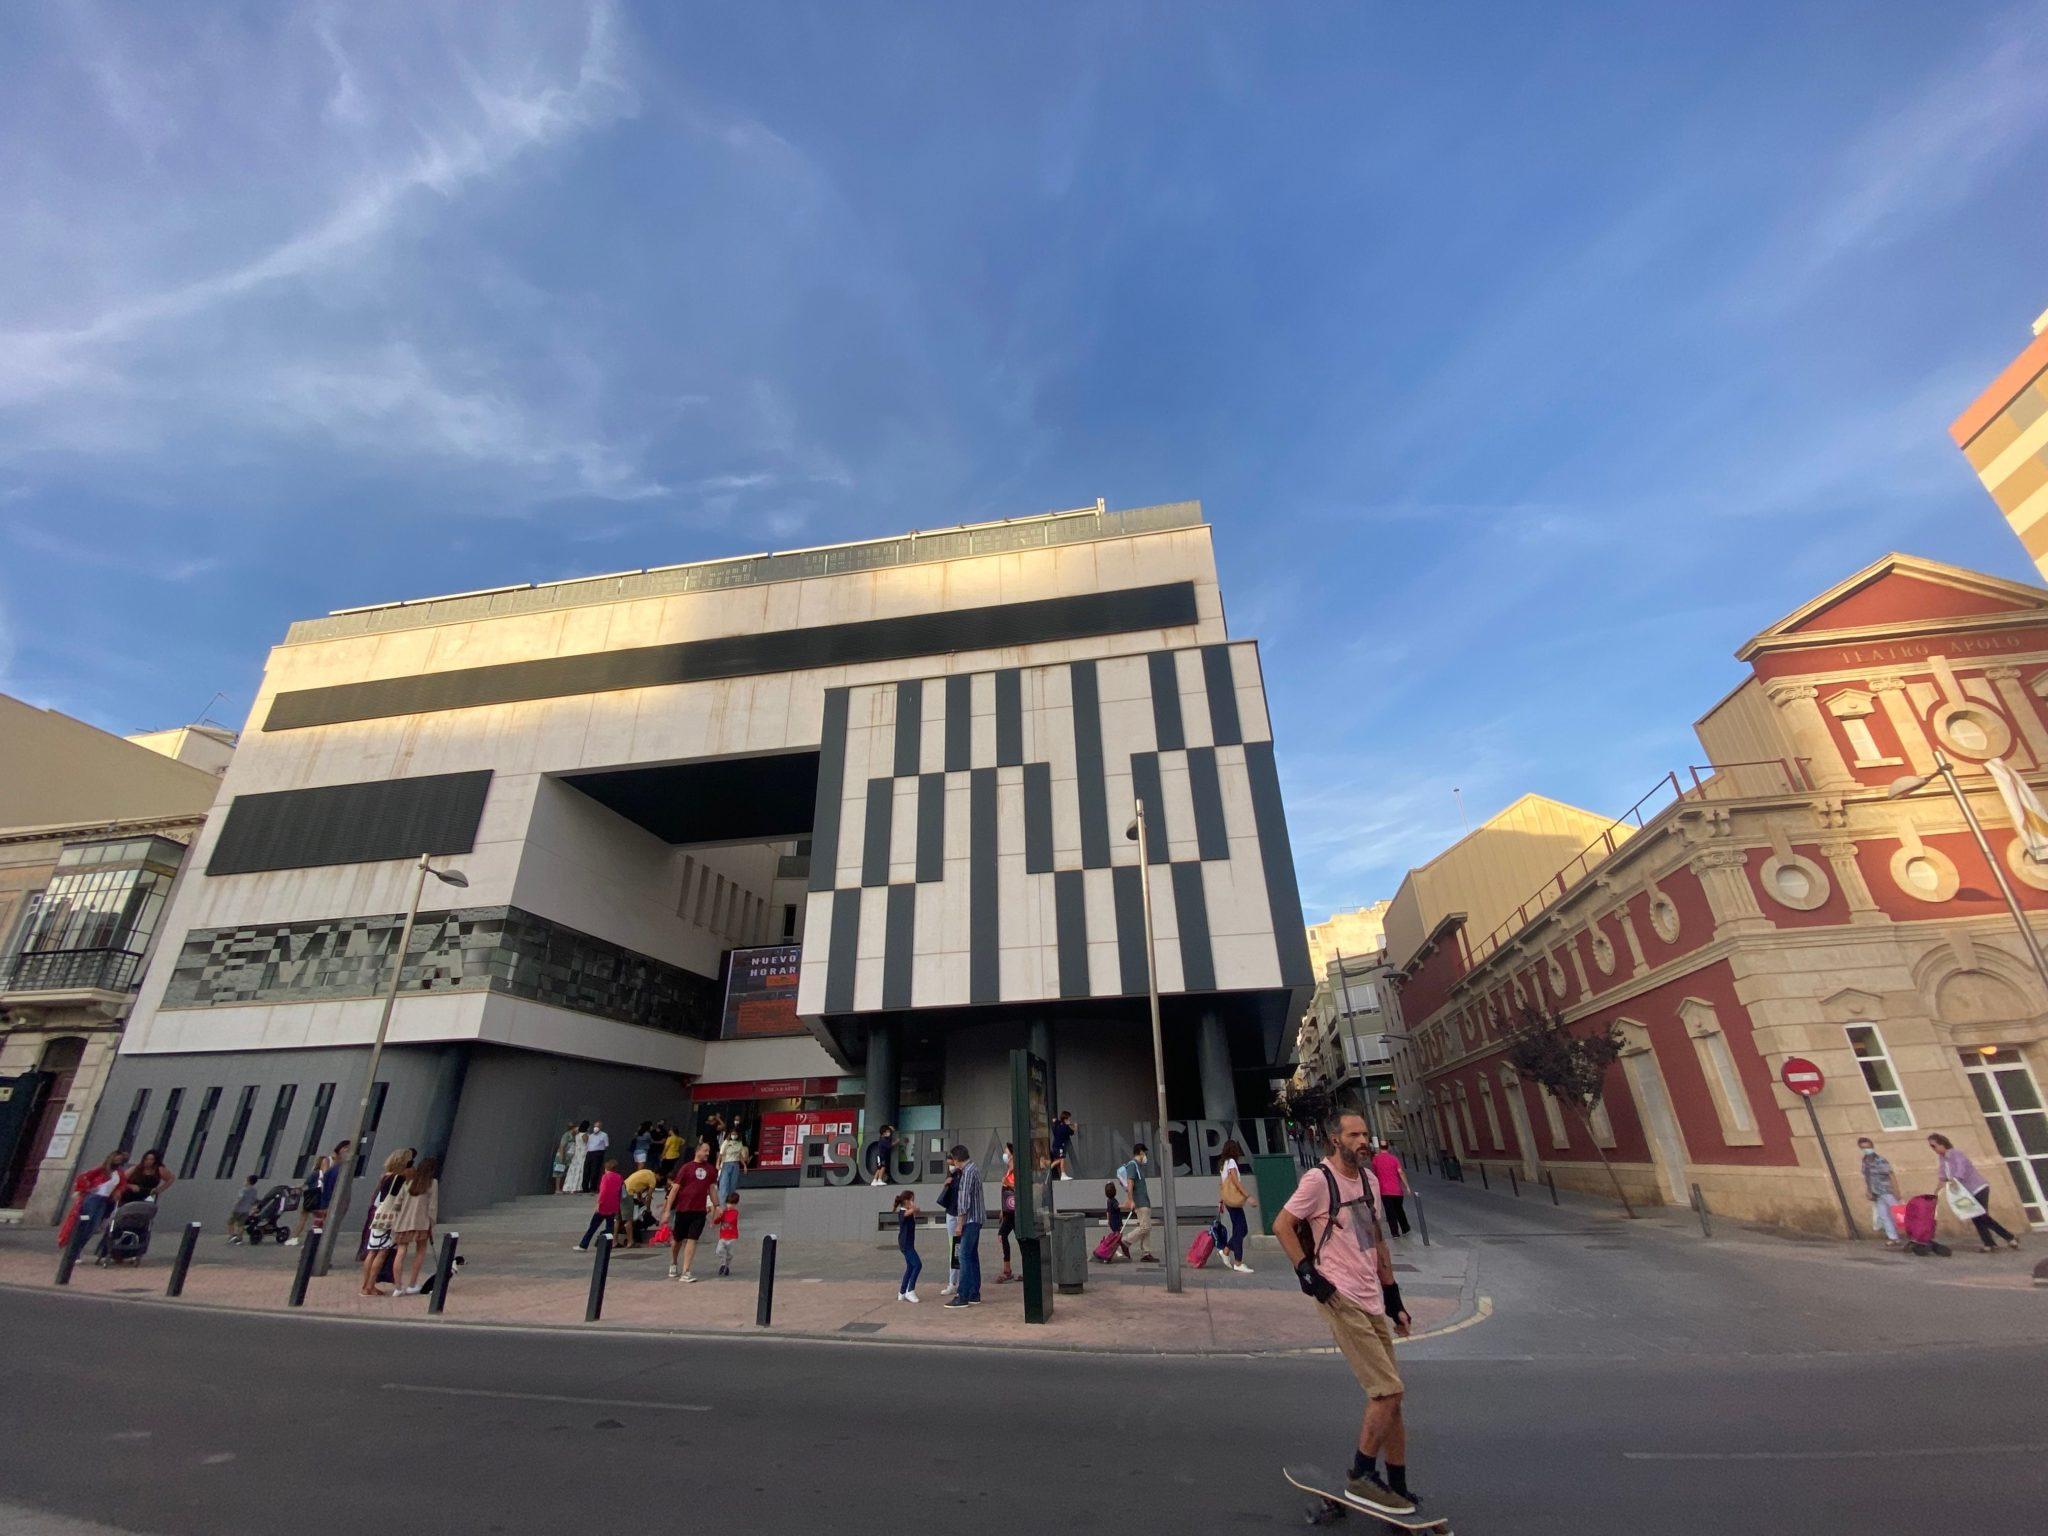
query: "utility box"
1070, 1252
1276, 1174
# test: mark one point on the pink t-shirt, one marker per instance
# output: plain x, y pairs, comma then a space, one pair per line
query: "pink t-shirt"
1346, 1255
1387, 1169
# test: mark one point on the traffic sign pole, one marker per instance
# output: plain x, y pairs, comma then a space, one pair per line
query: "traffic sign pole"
1806, 1080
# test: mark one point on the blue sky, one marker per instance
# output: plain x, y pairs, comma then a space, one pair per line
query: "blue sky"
1526, 358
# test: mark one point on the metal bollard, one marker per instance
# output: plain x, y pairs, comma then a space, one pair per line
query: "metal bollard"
303, 1275
1514, 1184
1553, 1186
764, 1303
444, 1271
1484, 1181
79, 1233
1699, 1204
1421, 1217
183, 1261
600, 1270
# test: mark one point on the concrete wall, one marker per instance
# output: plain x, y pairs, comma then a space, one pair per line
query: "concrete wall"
514, 1105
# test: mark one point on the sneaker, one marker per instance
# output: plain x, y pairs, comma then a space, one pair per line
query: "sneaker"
579, 1248
956, 1302
948, 1291
725, 1269
291, 1242
235, 1240
675, 1272
688, 1278
1242, 1268
1148, 1258
1369, 1492
910, 1296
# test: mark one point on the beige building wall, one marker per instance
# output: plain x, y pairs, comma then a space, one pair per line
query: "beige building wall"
2004, 435
55, 770
1506, 861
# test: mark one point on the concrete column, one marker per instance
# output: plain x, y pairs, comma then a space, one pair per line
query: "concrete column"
1809, 732
884, 1074
1212, 1050
450, 1070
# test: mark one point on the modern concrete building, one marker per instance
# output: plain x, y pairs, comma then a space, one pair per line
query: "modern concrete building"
2004, 434
1780, 903
882, 787
93, 833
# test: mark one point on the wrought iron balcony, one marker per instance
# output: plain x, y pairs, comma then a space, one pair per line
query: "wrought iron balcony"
69, 970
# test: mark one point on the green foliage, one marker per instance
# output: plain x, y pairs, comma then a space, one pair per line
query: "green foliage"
1572, 1064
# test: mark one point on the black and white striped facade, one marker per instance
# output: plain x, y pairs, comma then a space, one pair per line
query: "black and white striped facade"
970, 844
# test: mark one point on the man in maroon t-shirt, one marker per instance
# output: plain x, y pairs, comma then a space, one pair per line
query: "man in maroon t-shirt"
689, 1194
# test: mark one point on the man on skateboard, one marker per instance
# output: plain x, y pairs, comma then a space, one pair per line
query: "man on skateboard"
1331, 1230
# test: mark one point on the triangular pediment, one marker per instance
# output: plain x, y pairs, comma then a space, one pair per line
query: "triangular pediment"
1903, 591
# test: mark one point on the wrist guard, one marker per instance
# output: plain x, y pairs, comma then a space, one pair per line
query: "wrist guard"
1392, 1293
1313, 1285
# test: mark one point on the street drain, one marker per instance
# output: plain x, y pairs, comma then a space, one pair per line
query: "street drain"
862, 1327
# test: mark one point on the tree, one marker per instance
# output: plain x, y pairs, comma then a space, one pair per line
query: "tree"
1572, 1065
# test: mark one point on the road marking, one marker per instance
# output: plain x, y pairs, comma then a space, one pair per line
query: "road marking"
1483, 1312
218, 1458
132, 1434
549, 1397
1907, 1455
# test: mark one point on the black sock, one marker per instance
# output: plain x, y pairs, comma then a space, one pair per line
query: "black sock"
1361, 1464
1397, 1478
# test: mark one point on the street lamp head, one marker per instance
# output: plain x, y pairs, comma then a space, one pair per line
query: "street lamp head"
1908, 784
454, 877
1131, 832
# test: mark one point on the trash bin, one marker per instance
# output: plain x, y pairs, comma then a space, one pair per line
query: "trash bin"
1276, 1174
1070, 1251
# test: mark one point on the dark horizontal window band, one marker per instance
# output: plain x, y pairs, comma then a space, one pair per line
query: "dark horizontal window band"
351, 823
1165, 606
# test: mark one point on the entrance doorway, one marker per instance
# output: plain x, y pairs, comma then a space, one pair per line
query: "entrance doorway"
1667, 1144
2010, 1097
49, 1086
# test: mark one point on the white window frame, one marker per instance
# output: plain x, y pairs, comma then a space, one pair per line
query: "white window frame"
1465, 1114
1553, 1112
1884, 1054
1732, 1106
1602, 1123
1492, 1114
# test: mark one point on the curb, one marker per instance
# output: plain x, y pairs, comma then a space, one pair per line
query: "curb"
718, 1335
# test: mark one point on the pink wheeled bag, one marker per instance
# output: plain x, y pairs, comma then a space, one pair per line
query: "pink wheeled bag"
1200, 1249
1105, 1251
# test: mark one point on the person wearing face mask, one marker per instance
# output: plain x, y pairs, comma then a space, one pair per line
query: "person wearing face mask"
1136, 1199
1883, 1188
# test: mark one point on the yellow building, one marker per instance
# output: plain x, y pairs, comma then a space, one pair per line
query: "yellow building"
2004, 435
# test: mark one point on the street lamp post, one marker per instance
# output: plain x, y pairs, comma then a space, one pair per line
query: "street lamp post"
1137, 831
1945, 770
331, 1233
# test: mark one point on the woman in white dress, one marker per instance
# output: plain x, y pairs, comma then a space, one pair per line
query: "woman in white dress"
572, 1179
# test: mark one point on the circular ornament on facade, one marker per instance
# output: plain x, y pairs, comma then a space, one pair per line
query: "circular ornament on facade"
1924, 873
2025, 868
1603, 952
1797, 882
1664, 917
1972, 730
1556, 974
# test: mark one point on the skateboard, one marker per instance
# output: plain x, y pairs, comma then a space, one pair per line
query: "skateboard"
1333, 1505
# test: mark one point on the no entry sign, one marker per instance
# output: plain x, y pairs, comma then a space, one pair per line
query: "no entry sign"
1801, 1076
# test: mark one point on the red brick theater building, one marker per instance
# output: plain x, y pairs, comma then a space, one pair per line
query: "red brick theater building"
1772, 902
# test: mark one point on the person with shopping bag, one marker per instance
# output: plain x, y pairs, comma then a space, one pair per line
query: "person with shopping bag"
1968, 1192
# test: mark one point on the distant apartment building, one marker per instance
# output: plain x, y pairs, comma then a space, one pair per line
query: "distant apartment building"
2004, 435
1342, 1042
1789, 898
93, 835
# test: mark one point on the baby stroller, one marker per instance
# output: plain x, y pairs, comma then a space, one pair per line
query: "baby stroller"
126, 1239
1919, 1228
269, 1217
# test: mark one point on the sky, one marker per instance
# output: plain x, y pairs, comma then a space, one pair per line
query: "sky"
1526, 359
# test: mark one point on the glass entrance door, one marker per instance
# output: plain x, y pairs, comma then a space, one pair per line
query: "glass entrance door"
2013, 1112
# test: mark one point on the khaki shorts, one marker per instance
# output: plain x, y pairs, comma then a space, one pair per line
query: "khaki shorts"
1367, 1343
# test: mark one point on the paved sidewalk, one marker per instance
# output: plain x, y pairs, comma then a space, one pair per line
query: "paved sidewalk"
522, 1272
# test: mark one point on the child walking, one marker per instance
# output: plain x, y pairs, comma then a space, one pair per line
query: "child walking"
905, 1206
1115, 1216
728, 1233
245, 1206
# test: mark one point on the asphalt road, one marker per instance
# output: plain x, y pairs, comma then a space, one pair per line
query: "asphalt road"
1566, 1412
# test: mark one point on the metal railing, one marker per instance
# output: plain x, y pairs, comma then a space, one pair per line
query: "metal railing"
70, 970
1723, 781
